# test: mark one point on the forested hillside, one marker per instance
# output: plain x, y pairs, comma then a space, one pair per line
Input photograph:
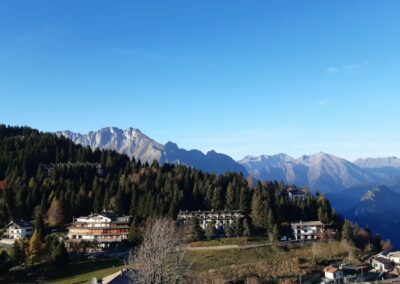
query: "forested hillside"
49, 175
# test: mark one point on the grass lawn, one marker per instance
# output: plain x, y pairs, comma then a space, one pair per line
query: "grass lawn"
266, 261
7, 250
82, 272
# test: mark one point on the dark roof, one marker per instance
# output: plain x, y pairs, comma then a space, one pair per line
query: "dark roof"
382, 260
21, 223
308, 223
111, 215
107, 214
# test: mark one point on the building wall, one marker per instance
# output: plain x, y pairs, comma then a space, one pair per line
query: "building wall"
220, 219
14, 232
306, 232
395, 259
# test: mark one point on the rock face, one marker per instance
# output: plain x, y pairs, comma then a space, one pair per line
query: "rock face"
134, 143
130, 141
379, 210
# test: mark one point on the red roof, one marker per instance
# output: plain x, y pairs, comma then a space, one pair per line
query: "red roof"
331, 269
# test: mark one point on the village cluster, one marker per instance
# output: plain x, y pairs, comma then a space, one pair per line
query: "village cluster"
383, 267
107, 230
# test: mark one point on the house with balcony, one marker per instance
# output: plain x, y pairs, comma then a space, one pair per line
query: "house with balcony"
18, 230
106, 229
310, 230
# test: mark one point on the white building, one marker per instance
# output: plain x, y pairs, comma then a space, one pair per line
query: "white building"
295, 193
18, 230
220, 219
381, 264
343, 275
332, 275
395, 257
310, 230
106, 228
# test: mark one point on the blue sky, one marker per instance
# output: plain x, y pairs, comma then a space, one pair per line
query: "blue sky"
240, 77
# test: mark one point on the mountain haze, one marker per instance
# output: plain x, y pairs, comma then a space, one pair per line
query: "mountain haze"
388, 162
378, 209
319, 171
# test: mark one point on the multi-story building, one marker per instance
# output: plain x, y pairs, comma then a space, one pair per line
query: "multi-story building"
18, 230
105, 228
310, 230
220, 219
295, 193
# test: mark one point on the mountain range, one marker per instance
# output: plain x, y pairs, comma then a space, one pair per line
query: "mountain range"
320, 171
134, 143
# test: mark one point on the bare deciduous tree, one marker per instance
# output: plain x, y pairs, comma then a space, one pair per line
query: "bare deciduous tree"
159, 259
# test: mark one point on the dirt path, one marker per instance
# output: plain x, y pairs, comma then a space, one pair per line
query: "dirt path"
225, 247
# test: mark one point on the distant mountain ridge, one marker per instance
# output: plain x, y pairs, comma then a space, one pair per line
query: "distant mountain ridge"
387, 162
320, 171
134, 143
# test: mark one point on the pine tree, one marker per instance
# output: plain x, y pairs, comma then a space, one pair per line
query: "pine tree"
133, 205
243, 201
274, 233
259, 208
230, 197
246, 228
196, 231
18, 255
228, 230
35, 247
210, 229
134, 236
55, 214
238, 228
40, 226
5, 262
98, 202
120, 202
347, 231
216, 202
324, 210
270, 220
60, 255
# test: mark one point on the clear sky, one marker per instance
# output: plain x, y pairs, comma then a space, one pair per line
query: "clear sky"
240, 77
